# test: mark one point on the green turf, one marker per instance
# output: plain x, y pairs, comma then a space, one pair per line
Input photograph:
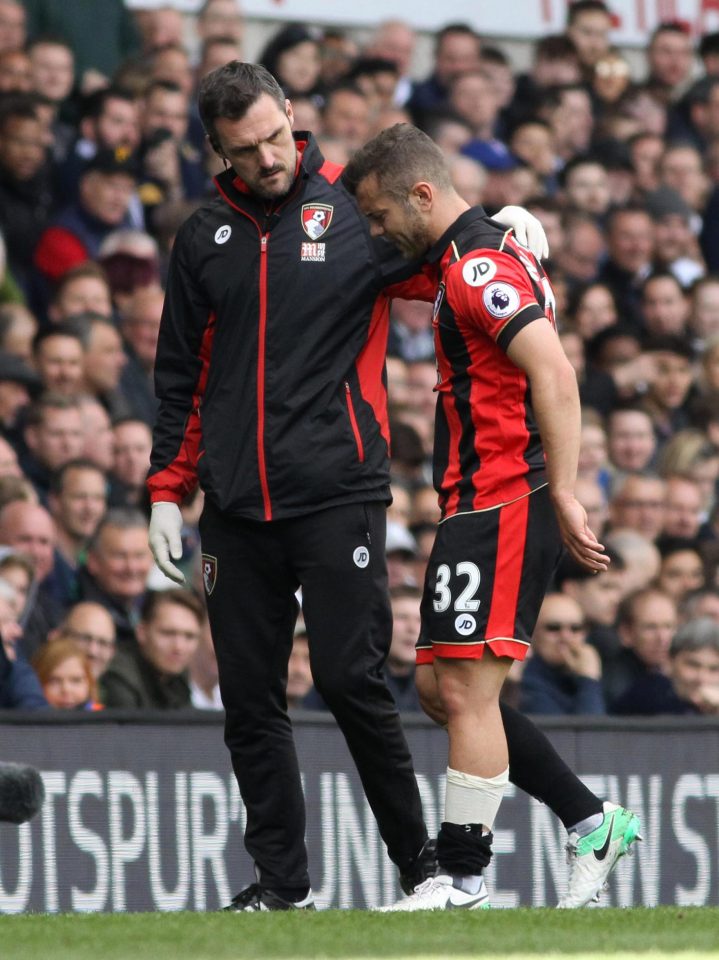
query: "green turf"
652, 934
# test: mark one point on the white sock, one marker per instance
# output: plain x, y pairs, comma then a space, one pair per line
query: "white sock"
471, 799
469, 884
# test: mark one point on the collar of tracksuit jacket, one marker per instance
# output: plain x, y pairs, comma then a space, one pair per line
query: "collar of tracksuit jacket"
236, 192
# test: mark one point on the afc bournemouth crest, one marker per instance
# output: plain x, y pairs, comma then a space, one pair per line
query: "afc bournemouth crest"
316, 219
209, 572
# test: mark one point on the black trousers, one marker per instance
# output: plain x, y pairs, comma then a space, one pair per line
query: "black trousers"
337, 557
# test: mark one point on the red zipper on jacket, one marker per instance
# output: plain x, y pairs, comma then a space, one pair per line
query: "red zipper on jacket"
261, 338
354, 424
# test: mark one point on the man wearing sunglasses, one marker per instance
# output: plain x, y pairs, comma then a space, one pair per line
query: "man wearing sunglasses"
564, 674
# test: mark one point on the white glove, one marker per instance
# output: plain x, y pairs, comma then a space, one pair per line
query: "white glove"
165, 536
527, 229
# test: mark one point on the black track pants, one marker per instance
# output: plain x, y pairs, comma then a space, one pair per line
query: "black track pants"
337, 556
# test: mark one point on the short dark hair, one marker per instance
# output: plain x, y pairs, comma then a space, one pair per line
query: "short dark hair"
230, 90
579, 7
180, 598
62, 329
557, 46
460, 29
57, 481
35, 412
93, 105
398, 157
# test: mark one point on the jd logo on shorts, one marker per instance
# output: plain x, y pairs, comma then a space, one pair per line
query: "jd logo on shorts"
361, 557
209, 572
465, 624
223, 234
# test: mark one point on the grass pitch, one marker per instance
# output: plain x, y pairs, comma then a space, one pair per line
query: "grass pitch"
647, 934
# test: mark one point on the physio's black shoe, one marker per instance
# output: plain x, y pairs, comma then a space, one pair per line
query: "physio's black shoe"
257, 898
421, 868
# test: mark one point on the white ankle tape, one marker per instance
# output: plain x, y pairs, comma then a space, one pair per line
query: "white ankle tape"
472, 799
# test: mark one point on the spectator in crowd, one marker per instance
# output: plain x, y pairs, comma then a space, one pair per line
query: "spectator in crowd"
170, 164
25, 194
97, 432
81, 290
676, 245
704, 313
13, 25
53, 436
153, 671
77, 503
641, 557
631, 443
29, 528
638, 503
692, 683
18, 326
104, 362
220, 18
18, 569
682, 508
66, 677
699, 603
456, 51
668, 391
647, 623
584, 185
589, 23
18, 383
670, 59
103, 204
399, 667
682, 569
395, 40
109, 118
116, 568
568, 111
346, 116
300, 686
140, 327
401, 550
19, 686
563, 674
598, 595
292, 56
630, 249
664, 306
131, 461
59, 358
91, 627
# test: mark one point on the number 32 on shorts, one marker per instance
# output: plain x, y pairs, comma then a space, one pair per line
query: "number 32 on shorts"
466, 600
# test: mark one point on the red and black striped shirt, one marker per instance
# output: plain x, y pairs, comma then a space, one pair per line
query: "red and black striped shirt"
487, 446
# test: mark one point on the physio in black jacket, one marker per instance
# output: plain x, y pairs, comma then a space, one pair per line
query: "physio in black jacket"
269, 375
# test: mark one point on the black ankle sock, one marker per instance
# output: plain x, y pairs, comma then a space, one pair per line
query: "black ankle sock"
291, 894
536, 767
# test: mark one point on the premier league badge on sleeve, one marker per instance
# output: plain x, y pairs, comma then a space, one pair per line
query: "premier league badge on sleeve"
316, 219
209, 572
501, 300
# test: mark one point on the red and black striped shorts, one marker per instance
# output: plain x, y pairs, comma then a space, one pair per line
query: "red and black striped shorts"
486, 579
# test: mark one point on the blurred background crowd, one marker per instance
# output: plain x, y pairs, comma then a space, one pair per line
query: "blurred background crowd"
102, 157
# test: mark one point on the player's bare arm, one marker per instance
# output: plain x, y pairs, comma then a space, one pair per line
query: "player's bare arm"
555, 401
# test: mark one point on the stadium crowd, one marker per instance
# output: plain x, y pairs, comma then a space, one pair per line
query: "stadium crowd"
102, 157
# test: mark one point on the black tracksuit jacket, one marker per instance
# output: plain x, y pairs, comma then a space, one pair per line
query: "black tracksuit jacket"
270, 361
